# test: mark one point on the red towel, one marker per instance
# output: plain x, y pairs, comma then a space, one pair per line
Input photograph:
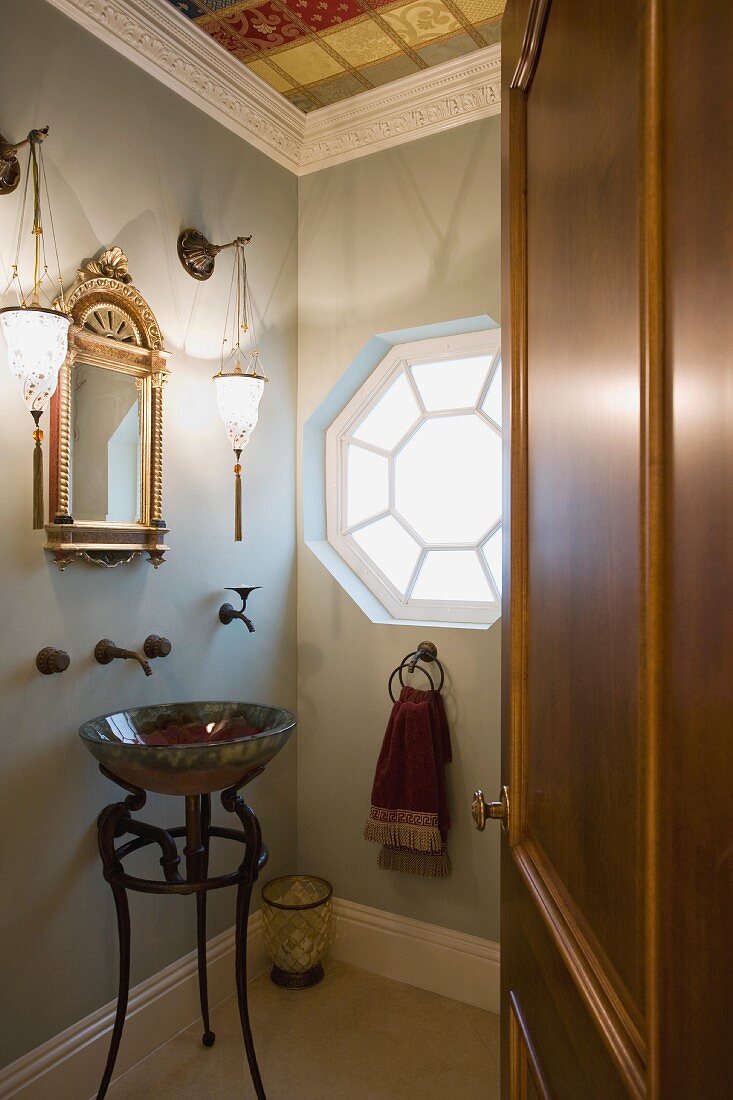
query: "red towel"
409, 816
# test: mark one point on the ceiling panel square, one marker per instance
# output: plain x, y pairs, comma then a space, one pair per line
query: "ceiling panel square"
319, 52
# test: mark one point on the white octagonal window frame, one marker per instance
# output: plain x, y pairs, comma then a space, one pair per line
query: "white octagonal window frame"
403, 568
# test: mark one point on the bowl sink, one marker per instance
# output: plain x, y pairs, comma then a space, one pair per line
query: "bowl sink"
188, 748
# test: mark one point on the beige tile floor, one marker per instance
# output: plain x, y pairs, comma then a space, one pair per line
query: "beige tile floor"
354, 1037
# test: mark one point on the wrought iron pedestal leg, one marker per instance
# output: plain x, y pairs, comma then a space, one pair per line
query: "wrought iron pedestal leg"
243, 898
123, 929
250, 866
209, 1036
111, 822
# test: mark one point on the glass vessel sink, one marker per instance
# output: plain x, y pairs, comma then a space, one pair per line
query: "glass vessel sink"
188, 748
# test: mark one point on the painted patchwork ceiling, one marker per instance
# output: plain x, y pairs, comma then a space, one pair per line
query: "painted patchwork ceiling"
317, 52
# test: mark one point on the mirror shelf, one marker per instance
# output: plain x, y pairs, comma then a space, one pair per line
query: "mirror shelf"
106, 444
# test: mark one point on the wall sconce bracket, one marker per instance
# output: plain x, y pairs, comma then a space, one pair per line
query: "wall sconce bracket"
198, 254
9, 166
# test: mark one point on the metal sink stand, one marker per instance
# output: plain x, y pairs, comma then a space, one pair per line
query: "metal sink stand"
114, 822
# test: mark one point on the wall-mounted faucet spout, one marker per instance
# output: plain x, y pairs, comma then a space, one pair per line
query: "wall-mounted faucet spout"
106, 651
227, 612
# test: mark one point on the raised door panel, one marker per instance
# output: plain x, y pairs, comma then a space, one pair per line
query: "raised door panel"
569, 1056
583, 804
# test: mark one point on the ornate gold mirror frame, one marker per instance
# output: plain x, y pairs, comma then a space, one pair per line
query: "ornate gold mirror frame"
113, 327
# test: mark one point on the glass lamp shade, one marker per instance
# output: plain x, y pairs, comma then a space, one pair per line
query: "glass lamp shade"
239, 395
38, 341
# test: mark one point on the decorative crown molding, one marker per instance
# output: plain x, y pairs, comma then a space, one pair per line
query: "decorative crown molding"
447, 95
166, 44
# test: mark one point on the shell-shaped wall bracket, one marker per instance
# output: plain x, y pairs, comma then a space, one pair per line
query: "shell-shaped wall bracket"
197, 254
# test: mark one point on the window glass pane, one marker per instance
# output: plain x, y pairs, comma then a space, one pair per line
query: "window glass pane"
452, 575
395, 412
390, 548
448, 479
452, 384
492, 401
492, 553
366, 484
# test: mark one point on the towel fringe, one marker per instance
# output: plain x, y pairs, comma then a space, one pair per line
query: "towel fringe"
426, 864
421, 838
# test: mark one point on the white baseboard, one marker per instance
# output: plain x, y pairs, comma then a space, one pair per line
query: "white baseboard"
69, 1066
465, 968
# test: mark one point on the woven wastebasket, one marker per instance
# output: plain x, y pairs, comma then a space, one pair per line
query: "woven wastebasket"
297, 918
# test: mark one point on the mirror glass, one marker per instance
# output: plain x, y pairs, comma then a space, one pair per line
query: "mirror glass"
105, 445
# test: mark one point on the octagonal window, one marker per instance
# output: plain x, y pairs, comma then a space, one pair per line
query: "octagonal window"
414, 464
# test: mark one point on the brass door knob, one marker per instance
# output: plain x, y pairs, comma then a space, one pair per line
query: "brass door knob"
481, 810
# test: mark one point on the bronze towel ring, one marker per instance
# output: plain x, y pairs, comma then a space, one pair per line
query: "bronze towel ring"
426, 652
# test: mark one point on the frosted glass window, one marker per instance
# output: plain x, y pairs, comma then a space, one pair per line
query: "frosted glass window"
492, 401
448, 479
454, 575
392, 416
455, 384
414, 471
391, 549
367, 484
492, 553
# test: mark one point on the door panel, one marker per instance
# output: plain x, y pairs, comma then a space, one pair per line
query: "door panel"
617, 870
574, 869
570, 1052
583, 782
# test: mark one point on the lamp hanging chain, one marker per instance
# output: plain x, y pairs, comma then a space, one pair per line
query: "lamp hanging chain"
36, 173
247, 315
249, 306
62, 300
37, 223
241, 321
15, 277
237, 334
226, 321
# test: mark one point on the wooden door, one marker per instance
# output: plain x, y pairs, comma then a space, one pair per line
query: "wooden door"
617, 903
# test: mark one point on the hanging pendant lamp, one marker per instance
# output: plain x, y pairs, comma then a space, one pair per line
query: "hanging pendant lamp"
36, 335
240, 380
238, 394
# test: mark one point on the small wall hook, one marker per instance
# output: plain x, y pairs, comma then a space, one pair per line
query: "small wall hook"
227, 612
50, 660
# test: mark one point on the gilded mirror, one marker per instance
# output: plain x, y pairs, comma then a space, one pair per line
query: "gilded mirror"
107, 424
